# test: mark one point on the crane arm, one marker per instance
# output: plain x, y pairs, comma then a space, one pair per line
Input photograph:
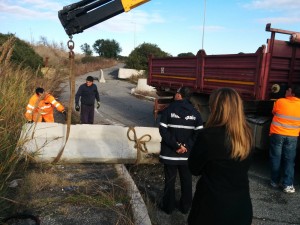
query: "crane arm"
77, 17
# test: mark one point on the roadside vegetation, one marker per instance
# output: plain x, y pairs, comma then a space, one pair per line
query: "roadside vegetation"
138, 58
21, 66
15, 83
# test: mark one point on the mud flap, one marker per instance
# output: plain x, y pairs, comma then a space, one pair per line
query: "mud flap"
260, 126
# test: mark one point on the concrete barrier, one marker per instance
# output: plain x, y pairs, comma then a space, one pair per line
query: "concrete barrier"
102, 78
143, 86
127, 73
139, 209
92, 143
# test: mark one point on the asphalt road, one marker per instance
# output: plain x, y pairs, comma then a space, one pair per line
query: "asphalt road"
118, 106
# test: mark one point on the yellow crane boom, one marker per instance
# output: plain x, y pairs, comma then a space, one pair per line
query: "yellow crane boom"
81, 15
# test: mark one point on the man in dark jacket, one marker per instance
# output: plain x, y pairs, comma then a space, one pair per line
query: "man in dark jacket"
87, 93
179, 125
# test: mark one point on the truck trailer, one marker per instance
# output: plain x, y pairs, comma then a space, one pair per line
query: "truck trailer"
260, 78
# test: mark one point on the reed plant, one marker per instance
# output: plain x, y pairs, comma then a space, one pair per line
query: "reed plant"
17, 84
14, 93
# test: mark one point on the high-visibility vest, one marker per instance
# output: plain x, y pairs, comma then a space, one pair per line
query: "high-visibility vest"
43, 106
286, 120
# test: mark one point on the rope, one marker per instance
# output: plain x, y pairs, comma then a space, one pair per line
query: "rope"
72, 95
140, 144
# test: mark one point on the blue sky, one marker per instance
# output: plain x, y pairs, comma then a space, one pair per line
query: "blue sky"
230, 26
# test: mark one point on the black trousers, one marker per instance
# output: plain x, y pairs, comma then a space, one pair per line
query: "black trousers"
169, 197
87, 114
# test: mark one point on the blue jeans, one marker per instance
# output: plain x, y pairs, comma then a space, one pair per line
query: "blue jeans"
283, 151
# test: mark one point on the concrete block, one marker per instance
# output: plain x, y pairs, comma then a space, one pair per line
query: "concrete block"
102, 79
90, 143
127, 73
143, 86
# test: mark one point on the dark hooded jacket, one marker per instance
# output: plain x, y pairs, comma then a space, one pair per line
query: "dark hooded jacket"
179, 124
87, 95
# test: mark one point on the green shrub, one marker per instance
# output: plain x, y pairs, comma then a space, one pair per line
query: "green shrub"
23, 54
138, 58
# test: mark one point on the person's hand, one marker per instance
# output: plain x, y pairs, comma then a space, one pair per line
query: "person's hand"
182, 149
289, 93
65, 114
98, 105
77, 108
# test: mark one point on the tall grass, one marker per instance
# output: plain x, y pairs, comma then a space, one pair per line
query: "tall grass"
14, 94
16, 86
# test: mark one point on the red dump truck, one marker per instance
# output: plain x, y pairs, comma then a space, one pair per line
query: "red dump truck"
260, 78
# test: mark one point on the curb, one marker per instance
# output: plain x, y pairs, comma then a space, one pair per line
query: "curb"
139, 209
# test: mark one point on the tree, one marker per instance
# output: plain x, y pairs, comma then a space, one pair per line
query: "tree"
185, 54
138, 58
86, 49
107, 48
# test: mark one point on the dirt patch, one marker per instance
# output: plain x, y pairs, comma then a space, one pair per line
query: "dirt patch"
75, 194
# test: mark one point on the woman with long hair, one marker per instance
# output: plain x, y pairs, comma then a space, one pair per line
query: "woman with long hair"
221, 157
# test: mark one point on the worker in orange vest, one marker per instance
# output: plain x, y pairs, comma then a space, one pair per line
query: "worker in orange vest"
40, 107
284, 132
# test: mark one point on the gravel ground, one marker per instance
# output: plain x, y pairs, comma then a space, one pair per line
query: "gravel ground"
270, 207
150, 181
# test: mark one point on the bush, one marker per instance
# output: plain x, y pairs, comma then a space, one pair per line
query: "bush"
138, 58
23, 54
187, 54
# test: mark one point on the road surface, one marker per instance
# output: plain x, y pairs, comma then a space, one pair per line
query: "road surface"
118, 106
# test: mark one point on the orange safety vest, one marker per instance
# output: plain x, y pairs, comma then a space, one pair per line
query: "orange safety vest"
286, 120
39, 108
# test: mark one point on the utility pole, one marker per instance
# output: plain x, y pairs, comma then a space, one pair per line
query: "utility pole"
203, 27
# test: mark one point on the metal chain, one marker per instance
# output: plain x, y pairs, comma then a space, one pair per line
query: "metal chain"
71, 46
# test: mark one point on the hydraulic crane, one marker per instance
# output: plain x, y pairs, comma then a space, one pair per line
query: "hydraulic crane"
77, 17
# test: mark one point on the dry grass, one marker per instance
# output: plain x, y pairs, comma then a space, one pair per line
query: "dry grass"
134, 79
63, 187
14, 83
47, 188
94, 66
56, 58
52, 56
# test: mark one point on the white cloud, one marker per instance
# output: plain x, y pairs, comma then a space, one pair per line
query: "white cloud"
42, 4
135, 20
280, 20
283, 11
21, 12
30, 9
279, 5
